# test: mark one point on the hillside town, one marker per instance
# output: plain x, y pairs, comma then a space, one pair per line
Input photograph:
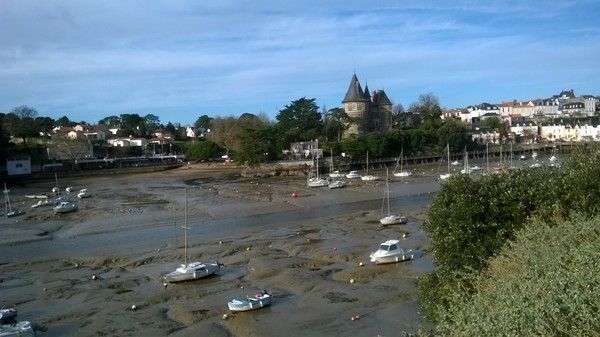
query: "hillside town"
564, 117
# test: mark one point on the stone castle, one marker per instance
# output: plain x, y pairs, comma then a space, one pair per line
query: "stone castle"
367, 112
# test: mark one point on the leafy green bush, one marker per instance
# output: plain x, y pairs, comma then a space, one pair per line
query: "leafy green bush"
469, 221
203, 150
546, 283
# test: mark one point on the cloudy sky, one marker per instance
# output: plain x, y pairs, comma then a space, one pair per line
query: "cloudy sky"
181, 59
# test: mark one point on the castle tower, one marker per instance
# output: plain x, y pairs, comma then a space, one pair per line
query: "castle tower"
382, 111
357, 105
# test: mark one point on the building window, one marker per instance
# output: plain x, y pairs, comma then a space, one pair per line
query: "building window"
19, 165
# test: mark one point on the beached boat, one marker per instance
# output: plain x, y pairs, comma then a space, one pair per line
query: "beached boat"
391, 252
8, 315
367, 176
9, 212
353, 175
401, 173
65, 207
20, 329
84, 193
250, 303
43, 203
193, 270
336, 184
444, 176
317, 181
334, 173
390, 219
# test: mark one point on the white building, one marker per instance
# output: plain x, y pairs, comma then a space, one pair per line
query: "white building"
18, 166
127, 142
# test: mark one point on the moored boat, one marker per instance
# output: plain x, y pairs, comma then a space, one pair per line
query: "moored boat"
337, 184
23, 328
353, 175
390, 252
65, 207
8, 315
83, 193
192, 271
250, 303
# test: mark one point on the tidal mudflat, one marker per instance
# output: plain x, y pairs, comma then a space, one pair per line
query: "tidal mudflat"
79, 273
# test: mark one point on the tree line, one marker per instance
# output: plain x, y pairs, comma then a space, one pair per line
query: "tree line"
254, 138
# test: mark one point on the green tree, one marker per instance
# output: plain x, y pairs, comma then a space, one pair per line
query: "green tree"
299, 121
454, 133
337, 121
64, 121
110, 121
203, 150
203, 122
151, 123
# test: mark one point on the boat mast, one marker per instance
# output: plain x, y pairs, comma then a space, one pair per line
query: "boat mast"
387, 189
448, 149
185, 229
6, 201
487, 157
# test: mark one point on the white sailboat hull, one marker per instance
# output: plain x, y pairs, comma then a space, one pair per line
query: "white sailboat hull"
317, 182
403, 174
192, 271
393, 219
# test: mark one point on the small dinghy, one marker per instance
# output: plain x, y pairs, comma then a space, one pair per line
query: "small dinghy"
83, 193
250, 303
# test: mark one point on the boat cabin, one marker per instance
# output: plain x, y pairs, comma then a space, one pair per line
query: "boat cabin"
389, 246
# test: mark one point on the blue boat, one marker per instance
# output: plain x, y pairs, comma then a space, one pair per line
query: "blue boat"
250, 303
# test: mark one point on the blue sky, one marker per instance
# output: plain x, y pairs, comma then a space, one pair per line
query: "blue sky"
181, 59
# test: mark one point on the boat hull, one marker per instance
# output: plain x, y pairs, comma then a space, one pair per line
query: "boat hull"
179, 276
406, 256
249, 304
393, 220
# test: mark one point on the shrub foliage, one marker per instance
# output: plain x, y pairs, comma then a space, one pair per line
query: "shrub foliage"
470, 221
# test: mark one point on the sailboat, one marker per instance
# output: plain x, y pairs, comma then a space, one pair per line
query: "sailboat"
447, 175
193, 270
9, 212
334, 173
389, 219
466, 169
317, 181
554, 158
401, 173
368, 177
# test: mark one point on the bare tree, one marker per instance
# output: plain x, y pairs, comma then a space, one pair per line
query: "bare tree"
225, 132
70, 149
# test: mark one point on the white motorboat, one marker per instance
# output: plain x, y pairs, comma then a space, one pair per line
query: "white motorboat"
9, 212
535, 165
353, 175
84, 193
445, 176
391, 252
455, 163
65, 207
193, 270
390, 219
250, 303
523, 157
369, 177
337, 184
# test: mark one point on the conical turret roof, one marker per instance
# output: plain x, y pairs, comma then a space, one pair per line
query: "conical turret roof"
367, 95
383, 99
355, 92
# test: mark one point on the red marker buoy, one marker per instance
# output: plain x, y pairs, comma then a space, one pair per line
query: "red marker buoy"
294, 194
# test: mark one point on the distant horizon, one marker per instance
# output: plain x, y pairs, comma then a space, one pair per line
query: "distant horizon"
182, 60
